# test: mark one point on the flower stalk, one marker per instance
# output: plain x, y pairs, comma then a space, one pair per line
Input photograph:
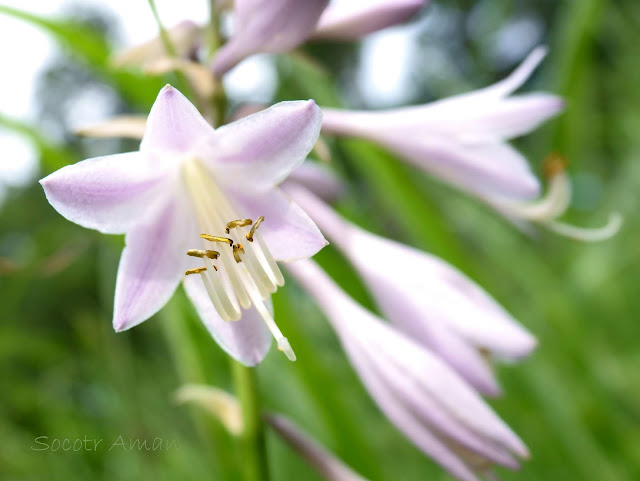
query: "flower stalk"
252, 438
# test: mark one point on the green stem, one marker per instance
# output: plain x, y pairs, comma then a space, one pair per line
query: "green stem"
254, 455
185, 86
219, 97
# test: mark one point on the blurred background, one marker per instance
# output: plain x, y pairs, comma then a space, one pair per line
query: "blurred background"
66, 374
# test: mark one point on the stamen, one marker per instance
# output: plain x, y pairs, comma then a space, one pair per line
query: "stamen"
215, 238
197, 270
203, 253
237, 249
237, 223
251, 233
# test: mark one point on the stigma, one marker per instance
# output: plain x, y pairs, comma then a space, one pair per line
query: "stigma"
238, 269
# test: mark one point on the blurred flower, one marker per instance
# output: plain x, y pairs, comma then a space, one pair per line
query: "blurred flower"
267, 27
352, 20
421, 395
281, 25
462, 139
188, 179
227, 410
185, 37
547, 209
426, 298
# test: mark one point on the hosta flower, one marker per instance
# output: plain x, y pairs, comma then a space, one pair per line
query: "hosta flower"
421, 395
351, 20
426, 298
281, 25
462, 139
187, 180
267, 27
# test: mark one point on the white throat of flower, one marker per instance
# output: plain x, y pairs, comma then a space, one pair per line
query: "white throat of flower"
244, 272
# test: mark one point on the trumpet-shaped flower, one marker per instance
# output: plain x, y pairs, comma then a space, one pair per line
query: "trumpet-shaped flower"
281, 25
351, 20
462, 139
208, 193
421, 395
425, 297
267, 27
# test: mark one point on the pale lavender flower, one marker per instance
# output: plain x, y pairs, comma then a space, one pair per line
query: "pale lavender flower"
267, 27
188, 179
352, 20
426, 298
462, 139
281, 25
420, 394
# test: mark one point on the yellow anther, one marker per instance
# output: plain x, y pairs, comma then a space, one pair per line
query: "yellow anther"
203, 253
197, 270
215, 238
237, 223
237, 250
554, 164
255, 226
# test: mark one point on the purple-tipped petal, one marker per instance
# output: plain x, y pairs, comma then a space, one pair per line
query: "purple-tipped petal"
174, 125
519, 76
152, 263
246, 340
287, 230
352, 20
110, 194
269, 27
260, 150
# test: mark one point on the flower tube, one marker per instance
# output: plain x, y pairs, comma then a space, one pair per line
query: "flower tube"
206, 202
462, 139
420, 394
426, 298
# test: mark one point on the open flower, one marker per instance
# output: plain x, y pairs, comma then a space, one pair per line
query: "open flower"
426, 298
462, 139
421, 395
187, 180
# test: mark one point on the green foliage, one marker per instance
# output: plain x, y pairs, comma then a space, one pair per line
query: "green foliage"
66, 374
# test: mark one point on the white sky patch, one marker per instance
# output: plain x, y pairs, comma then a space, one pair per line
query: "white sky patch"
252, 80
384, 72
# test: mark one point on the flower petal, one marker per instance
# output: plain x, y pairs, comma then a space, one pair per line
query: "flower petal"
320, 180
174, 124
110, 194
246, 340
270, 27
260, 150
152, 263
351, 20
287, 230
400, 282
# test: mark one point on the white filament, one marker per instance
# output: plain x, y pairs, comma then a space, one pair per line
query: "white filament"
235, 284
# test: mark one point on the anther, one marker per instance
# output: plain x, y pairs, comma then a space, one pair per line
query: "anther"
554, 164
197, 270
237, 223
203, 253
215, 238
255, 226
237, 250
